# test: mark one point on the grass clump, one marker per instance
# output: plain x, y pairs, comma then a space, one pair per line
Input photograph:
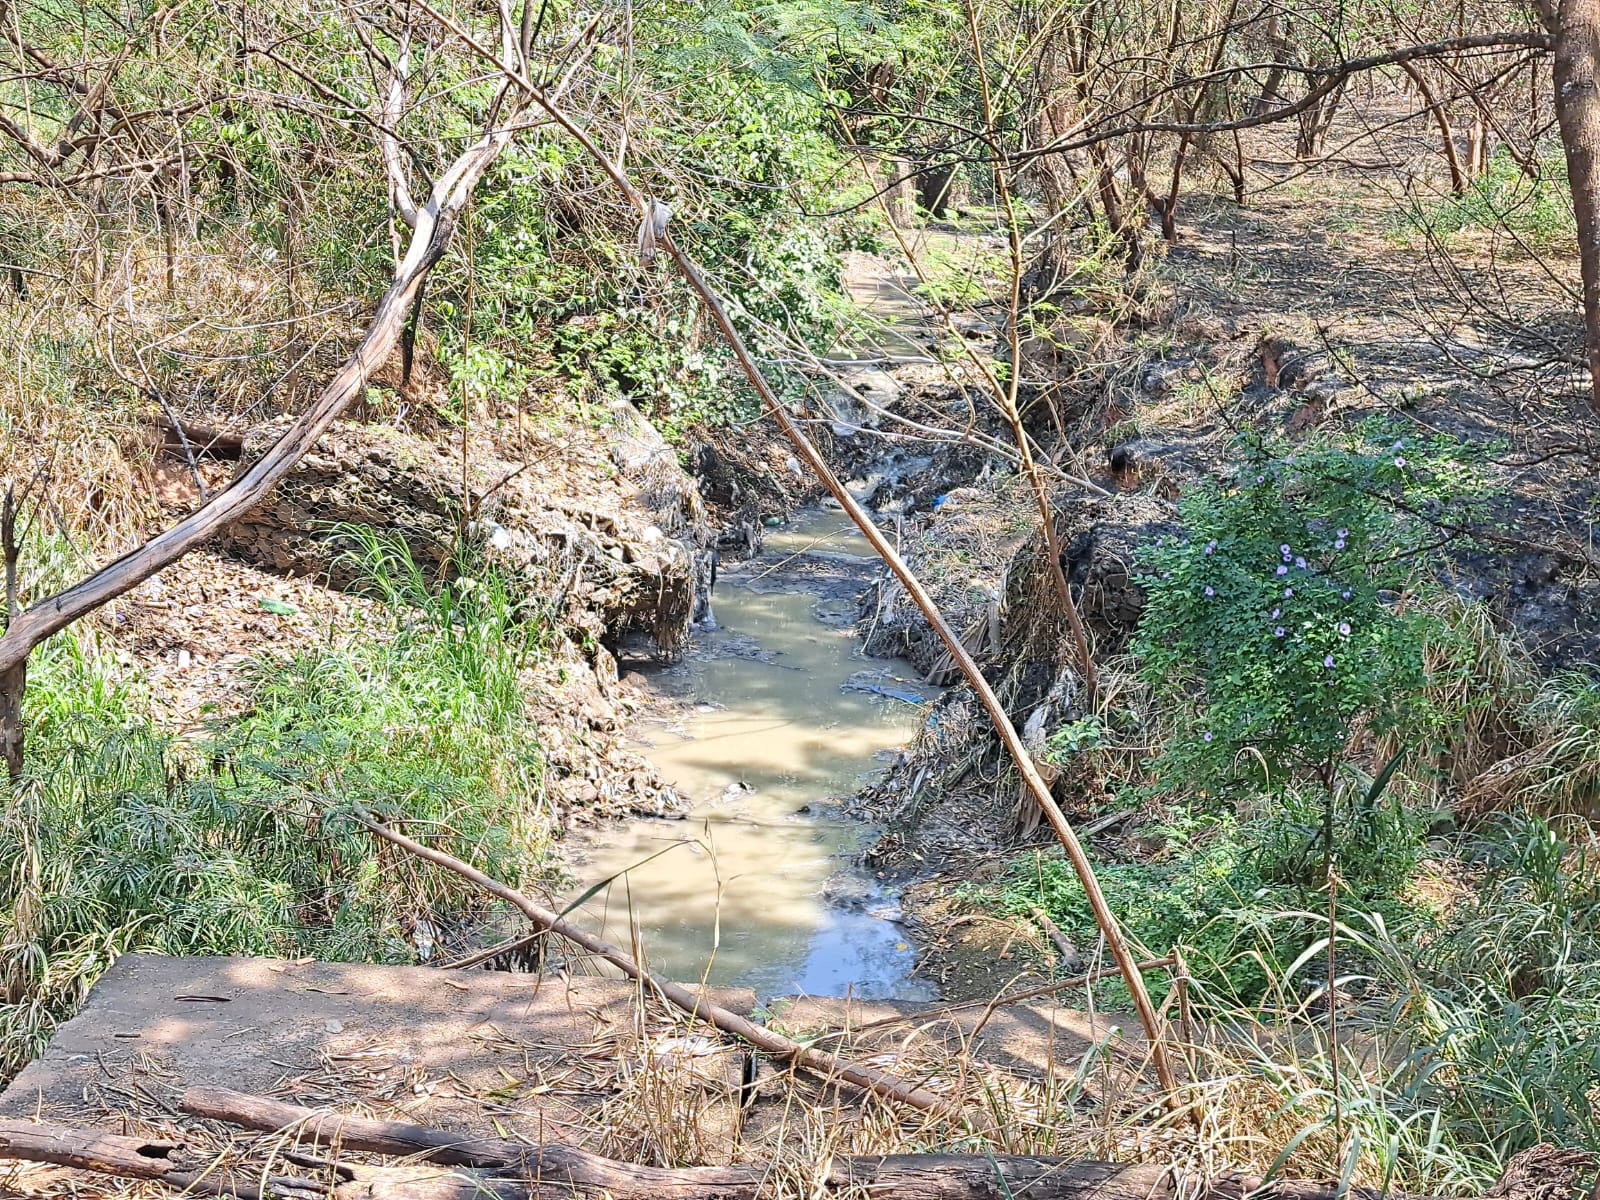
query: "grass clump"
1534, 210
1212, 888
236, 839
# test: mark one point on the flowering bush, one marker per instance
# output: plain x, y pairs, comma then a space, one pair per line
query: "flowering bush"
1279, 623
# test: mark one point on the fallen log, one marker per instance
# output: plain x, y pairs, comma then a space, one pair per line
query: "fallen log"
132, 1158
143, 1158
883, 1176
565, 1166
507, 1170
693, 1002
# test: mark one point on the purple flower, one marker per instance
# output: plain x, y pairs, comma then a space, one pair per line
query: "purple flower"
1276, 613
1344, 533
1278, 632
1345, 594
1328, 662
1399, 461
1301, 563
1283, 570
1166, 574
1210, 591
1210, 547
1338, 544
1344, 628
1287, 592
1208, 737
1261, 478
1399, 445
1285, 551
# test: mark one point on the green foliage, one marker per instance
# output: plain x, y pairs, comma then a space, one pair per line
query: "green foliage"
1217, 880
749, 158
238, 840
1274, 625
1537, 211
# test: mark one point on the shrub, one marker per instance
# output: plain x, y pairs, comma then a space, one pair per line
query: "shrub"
1280, 625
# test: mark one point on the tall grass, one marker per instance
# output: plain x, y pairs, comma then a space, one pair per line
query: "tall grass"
1467, 941
125, 837
1463, 1042
1463, 1037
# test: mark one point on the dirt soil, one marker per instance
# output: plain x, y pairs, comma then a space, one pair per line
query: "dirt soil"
582, 1061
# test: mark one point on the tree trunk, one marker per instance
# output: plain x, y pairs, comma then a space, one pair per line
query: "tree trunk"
13, 679
1447, 135
1478, 146
1280, 47
1316, 120
13, 684
898, 193
1575, 26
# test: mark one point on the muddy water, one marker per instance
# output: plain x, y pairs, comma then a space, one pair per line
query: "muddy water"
777, 717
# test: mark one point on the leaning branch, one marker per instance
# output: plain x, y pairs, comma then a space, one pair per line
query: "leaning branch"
436, 224
693, 1002
1116, 942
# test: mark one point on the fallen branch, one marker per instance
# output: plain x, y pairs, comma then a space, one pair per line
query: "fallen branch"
564, 1166
693, 1002
500, 1169
1070, 957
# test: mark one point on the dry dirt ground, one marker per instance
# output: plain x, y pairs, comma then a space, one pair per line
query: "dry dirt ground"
582, 502
1331, 278
582, 1061
1330, 297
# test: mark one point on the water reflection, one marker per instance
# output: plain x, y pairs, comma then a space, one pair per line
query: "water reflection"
773, 733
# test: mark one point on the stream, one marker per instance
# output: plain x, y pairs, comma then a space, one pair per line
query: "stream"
775, 716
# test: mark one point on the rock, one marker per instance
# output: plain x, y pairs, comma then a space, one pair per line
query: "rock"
1159, 378
629, 554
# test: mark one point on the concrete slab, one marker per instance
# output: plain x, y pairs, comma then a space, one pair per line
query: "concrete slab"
1027, 1039
483, 1051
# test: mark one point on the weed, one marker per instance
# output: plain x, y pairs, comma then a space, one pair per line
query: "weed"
235, 841
1538, 210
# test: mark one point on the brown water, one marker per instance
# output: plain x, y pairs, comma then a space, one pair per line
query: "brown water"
755, 888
